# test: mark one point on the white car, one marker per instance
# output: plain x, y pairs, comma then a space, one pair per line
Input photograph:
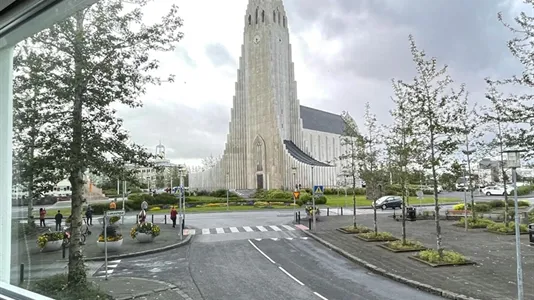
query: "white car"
496, 191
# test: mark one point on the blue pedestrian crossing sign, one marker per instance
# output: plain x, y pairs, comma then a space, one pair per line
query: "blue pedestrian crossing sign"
318, 189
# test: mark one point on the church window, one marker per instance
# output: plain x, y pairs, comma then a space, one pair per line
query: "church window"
284, 21
278, 18
256, 15
249, 20
274, 16
263, 16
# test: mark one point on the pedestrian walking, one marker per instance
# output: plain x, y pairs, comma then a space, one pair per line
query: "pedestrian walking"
89, 215
173, 216
42, 215
59, 218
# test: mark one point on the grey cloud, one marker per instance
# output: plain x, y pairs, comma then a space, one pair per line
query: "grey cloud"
184, 55
219, 55
190, 133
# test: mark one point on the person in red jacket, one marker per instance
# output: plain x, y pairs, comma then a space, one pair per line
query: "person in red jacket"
173, 216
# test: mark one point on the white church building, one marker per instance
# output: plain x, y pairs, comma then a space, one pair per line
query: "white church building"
273, 141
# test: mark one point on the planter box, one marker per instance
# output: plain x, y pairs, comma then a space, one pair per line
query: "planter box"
144, 238
506, 233
466, 263
112, 246
52, 246
385, 246
376, 240
342, 230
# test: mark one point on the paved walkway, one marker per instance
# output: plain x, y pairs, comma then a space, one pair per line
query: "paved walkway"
39, 265
494, 276
122, 288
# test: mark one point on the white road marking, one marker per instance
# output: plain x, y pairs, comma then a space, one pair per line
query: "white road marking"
261, 228
115, 261
275, 228
219, 230
261, 252
247, 229
104, 271
289, 239
320, 296
288, 227
192, 231
274, 239
206, 231
258, 240
112, 266
291, 276
304, 238
233, 229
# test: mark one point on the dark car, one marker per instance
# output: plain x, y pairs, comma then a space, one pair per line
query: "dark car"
389, 202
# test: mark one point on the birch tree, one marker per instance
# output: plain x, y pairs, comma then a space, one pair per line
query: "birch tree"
367, 156
349, 141
403, 142
439, 112
100, 56
495, 122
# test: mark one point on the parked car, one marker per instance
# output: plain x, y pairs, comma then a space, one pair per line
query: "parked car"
389, 202
496, 191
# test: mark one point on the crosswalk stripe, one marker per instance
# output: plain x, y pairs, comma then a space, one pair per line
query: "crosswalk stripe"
219, 230
115, 262
274, 239
205, 231
261, 228
190, 232
234, 229
289, 239
275, 228
288, 227
247, 229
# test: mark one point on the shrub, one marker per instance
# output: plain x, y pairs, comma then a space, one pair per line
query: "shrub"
523, 203
496, 203
398, 245
378, 236
112, 234
357, 229
450, 257
502, 228
49, 237
147, 228
479, 207
525, 190
475, 223
278, 194
56, 287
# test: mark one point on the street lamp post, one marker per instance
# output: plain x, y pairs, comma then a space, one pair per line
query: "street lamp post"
227, 191
313, 200
465, 198
181, 215
513, 161
468, 153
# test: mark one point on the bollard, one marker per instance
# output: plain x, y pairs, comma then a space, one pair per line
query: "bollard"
327, 211
310, 223
341, 210
63, 250
182, 227
152, 219
299, 217
165, 219
296, 218
21, 273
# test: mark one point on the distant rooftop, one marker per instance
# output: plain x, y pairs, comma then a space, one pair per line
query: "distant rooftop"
319, 120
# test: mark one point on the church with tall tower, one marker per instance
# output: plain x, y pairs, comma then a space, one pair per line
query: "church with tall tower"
273, 142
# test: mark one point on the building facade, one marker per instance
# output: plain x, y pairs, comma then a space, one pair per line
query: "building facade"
273, 141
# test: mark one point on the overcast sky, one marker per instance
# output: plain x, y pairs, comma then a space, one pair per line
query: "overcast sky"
345, 54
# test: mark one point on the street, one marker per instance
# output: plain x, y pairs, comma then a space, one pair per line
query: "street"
232, 256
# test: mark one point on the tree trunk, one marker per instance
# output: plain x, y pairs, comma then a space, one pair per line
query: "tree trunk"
373, 194
354, 200
435, 186
503, 172
403, 179
77, 273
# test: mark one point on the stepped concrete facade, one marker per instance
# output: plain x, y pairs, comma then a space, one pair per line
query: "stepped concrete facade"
273, 141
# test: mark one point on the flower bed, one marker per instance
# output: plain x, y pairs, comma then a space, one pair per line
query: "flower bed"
449, 258
501, 228
146, 228
376, 237
474, 223
352, 230
50, 241
398, 246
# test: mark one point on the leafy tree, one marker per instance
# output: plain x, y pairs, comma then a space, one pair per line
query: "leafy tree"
439, 114
34, 166
100, 56
367, 159
403, 143
349, 142
495, 121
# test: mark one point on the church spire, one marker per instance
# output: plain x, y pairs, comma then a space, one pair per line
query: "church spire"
266, 12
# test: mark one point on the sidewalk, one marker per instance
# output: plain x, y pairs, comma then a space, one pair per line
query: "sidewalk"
39, 264
494, 276
122, 288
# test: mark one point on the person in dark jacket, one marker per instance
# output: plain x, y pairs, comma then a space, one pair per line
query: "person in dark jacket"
89, 215
59, 218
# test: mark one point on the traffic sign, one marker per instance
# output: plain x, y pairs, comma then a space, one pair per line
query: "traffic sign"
296, 194
113, 213
419, 194
318, 189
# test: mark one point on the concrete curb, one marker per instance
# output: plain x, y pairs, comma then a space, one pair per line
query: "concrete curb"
185, 241
416, 284
167, 287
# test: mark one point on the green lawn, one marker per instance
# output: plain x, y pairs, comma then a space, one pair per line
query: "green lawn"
334, 200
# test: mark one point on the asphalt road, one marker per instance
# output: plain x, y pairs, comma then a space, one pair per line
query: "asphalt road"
271, 265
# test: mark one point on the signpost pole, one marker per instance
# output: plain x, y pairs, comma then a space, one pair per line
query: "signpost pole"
106, 244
